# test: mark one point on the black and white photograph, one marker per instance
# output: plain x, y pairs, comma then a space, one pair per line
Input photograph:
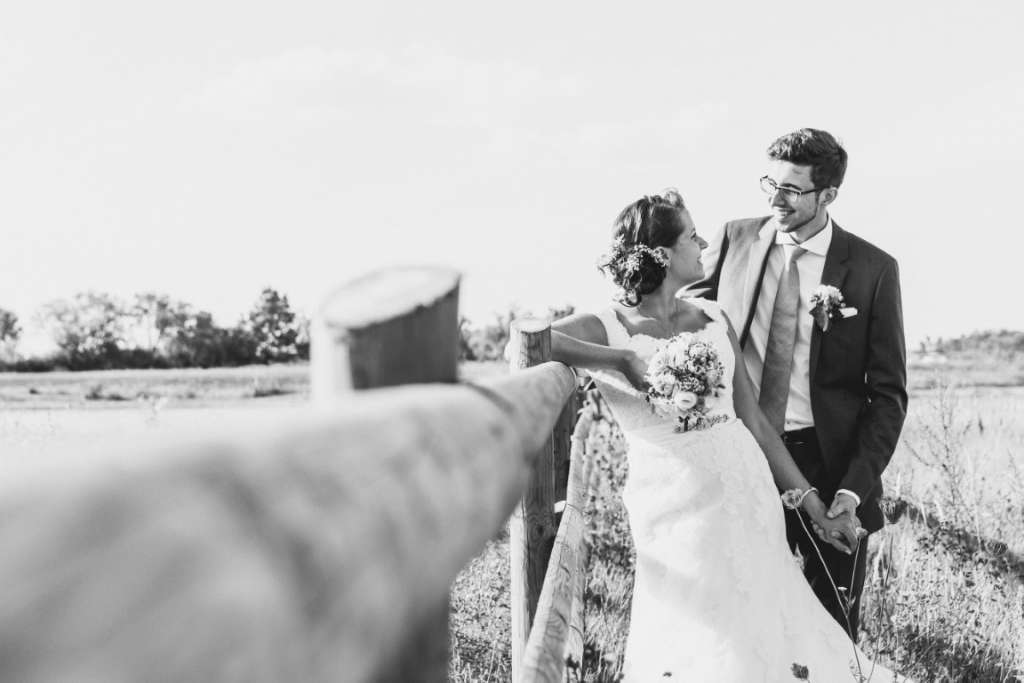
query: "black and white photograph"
536, 342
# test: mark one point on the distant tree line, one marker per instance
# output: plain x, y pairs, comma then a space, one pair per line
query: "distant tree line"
95, 331
995, 343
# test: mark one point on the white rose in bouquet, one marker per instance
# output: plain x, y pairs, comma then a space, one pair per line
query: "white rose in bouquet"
657, 365
678, 351
684, 400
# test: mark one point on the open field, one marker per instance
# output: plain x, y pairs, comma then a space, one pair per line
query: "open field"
945, 595
106, 388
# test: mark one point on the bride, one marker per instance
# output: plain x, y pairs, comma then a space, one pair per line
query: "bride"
718, 595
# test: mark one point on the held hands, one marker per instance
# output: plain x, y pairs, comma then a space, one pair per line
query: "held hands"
841, 531
843, 510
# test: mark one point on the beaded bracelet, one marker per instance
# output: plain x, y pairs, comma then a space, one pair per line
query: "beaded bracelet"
805, 493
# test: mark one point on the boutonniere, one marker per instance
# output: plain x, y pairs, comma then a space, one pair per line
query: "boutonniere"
827, 305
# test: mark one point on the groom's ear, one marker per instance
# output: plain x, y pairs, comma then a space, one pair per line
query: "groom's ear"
828, 195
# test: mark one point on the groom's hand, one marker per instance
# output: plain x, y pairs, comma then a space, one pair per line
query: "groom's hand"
844, 507
842, 533
842, 504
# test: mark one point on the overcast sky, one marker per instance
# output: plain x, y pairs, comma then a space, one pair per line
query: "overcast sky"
207, 149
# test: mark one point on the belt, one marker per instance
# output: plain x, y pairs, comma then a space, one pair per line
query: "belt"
800, 436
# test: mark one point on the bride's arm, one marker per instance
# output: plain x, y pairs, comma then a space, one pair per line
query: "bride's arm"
784, 470
580, 340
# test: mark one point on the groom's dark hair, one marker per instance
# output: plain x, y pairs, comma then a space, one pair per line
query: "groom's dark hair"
814, 148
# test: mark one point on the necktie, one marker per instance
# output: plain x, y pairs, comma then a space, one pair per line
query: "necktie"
778, 356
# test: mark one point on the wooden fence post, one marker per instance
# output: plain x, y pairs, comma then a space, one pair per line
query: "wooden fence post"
562, 443
391, 327
554, 652
532, 526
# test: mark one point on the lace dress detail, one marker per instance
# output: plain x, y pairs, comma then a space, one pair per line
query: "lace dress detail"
718, 595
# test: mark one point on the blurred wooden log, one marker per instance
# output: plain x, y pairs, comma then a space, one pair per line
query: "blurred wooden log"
557, 634
532, 526
392, 327
298, 552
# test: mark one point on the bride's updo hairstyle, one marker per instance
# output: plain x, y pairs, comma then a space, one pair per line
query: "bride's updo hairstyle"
631, 262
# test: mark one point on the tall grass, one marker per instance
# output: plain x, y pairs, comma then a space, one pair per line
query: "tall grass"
481, 618
944, 597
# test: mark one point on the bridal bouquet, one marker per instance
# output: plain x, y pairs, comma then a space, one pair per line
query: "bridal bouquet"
685, 376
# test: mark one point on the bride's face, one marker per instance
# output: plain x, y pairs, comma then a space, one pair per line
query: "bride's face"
685, 263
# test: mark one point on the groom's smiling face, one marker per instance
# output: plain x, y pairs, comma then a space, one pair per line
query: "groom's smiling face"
791, 211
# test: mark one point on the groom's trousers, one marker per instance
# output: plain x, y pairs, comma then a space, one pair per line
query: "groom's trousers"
846, 570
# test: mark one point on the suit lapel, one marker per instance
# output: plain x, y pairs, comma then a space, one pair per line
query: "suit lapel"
834, 273
757, 259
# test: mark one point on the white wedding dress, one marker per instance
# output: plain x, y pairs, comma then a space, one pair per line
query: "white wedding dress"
718, 594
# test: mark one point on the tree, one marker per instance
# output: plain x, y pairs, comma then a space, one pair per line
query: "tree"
302, 338
486, 341
157, 319
89, 329
10, 332
273, 325
199, 342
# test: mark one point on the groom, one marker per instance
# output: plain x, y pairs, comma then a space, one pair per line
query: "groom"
833, 378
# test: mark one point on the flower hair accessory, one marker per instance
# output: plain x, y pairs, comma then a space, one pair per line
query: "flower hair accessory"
637, 251
631, 256
827, 305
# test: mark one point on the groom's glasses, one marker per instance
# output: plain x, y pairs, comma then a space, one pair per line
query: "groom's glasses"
769, 187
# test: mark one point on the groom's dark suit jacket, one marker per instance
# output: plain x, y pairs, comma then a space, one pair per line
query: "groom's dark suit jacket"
858, 369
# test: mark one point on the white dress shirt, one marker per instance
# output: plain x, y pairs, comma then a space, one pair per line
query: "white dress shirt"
810, 266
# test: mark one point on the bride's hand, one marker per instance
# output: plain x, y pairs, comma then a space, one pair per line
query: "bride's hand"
823, 536
840, 532
634, 368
